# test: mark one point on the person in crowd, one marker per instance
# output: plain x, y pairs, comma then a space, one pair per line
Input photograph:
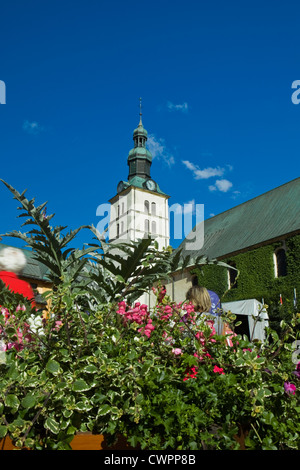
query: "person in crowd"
200, 298
12, 262
202, 301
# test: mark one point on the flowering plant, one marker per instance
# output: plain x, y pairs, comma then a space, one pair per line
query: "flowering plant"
101, 361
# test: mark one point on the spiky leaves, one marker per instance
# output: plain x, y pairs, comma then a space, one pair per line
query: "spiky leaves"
49, 244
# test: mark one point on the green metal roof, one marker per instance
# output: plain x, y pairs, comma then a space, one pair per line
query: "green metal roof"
269, 216
140, 152
138, 182
140, 130
33, 269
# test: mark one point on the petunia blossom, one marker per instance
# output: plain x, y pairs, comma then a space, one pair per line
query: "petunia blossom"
289, 388
219, 370
177, 351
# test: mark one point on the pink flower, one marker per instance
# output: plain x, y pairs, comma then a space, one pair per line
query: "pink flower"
162, 294
5, 312
58, 325
147, 329
189, 308
176, 351
289, 388
218, 370
21, 307
168, 339
201, 358
190, 375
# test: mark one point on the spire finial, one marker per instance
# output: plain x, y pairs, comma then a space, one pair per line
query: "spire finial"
140, 110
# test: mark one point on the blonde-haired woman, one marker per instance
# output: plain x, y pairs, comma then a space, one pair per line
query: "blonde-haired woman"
200, 298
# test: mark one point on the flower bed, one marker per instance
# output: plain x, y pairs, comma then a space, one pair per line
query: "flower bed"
100, 362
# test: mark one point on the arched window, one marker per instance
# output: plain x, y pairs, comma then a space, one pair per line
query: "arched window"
118, 230
153, 228
153, 208
280, 262
146, 207
147, 226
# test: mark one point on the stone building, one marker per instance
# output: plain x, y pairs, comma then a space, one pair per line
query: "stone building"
260, 238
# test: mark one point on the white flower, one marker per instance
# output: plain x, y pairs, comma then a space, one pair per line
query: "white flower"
36, 325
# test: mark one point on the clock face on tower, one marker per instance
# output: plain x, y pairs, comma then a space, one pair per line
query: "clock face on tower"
151, 185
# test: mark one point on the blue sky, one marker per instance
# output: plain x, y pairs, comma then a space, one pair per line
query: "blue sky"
215, 79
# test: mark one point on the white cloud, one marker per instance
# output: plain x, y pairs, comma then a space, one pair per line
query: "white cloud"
235, 194
205, 173
189, 207
32, 127
185, 208
221, 185
189, 165
159, 150
177, 107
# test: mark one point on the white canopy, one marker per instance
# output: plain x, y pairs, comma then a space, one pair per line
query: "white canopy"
252, 308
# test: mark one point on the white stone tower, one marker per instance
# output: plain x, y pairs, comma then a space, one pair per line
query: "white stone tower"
140, 207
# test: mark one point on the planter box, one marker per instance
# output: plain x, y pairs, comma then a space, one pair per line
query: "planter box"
89, 441
82, 441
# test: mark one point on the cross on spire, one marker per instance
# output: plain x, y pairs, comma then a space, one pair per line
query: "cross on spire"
140, 110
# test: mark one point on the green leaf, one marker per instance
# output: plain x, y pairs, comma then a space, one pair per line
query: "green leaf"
103, 409
83, 405
80, 386
28, 401
61, 385
29, 442
52, 425
90, 369
52, 366
3, 431
67, 413
12, 401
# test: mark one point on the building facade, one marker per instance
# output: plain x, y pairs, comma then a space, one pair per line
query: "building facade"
260, 239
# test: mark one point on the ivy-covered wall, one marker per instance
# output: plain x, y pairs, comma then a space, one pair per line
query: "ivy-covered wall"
256, 275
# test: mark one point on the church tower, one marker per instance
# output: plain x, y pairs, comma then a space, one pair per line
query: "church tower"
140, 207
